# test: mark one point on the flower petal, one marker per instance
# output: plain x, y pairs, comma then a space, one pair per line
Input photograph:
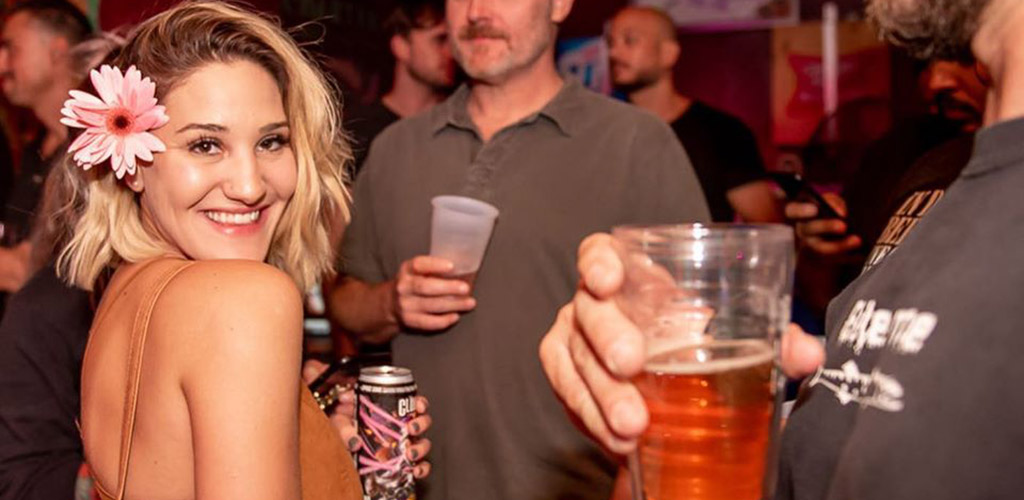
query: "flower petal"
152, 119
71, 122
85, 100
117, 162
145, 122
116, 82
137, 148
147, 94
151, 142
129, 160
103, 150
129, 89
83, 141
161, 111
90, 117
103, 82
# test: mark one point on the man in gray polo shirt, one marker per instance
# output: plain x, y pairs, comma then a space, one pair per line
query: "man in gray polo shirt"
559, 162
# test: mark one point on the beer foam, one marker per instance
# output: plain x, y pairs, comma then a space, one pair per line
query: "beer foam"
699, 358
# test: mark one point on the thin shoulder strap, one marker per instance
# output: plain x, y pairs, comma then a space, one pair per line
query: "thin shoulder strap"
138, 344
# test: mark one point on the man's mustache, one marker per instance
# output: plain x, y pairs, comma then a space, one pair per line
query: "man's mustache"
947, 101
472, 31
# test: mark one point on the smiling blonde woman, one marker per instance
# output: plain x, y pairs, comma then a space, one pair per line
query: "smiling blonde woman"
212, 162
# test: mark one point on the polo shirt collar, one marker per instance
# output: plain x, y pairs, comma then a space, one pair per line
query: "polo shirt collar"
562, 110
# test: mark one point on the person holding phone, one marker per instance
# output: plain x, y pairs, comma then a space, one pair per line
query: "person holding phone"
903, 175
884, 201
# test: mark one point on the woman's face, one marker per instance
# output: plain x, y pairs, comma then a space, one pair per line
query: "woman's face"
219, 190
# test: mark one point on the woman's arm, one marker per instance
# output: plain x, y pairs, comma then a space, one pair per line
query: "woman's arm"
240, 329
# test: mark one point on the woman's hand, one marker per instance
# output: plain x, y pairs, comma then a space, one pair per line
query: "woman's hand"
343, 418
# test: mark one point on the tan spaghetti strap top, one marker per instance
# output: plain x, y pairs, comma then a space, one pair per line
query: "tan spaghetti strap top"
327, 470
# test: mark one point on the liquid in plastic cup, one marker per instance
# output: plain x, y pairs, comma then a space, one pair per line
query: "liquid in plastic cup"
460, 231
712, 302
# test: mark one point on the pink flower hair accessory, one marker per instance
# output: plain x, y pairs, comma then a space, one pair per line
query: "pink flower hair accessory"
117, 123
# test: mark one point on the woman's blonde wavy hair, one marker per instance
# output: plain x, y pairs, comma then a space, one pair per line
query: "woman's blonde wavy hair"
168, 47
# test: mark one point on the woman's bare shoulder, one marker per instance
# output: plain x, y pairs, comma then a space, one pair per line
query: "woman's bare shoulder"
225, 277
229, 307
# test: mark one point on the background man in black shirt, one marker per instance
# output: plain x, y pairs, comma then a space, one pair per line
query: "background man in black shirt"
643, 49
424, 72
37, 73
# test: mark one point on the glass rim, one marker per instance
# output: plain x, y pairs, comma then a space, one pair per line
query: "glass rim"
461, 203
654, 236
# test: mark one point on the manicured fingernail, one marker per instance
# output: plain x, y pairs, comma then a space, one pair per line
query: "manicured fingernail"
415, 427
414, 454
353, 443
625, 416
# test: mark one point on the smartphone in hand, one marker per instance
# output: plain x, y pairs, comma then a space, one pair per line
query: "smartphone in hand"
797, 189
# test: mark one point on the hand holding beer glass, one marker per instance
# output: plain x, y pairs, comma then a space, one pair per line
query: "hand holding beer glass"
712, 302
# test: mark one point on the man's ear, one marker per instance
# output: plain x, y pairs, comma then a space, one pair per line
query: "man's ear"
400, 48
59, 48
560, 10
669, 53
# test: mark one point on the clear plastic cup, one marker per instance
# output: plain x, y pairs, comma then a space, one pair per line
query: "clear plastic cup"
460, 232
712, 302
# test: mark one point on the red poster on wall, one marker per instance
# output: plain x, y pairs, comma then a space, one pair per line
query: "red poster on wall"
797, 98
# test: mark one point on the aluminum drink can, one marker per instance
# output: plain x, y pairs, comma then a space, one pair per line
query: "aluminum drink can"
385, 404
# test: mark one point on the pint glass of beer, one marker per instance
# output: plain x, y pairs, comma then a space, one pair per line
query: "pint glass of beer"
712, 302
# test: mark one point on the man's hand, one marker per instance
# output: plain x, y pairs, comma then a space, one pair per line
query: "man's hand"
827, 237
14, 266
427, 300
593, 350
344, 413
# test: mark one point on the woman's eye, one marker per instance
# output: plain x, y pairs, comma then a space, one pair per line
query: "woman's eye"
205, 147
273, 143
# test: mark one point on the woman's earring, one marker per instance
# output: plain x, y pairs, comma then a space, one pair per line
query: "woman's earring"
134, 183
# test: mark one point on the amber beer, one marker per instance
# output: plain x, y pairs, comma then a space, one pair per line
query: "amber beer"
711, 409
